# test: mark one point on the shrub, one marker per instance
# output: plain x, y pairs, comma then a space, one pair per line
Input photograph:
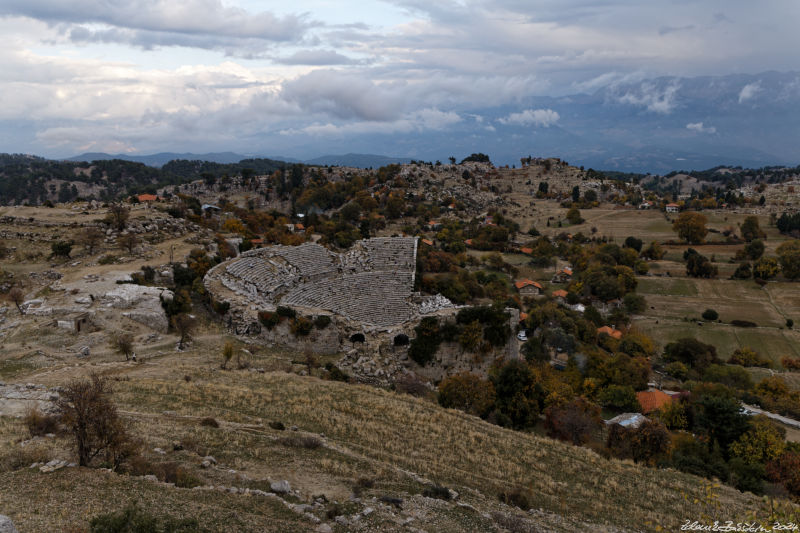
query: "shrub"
436, 491
277, 425
743, 324
516, 497
39, 424
18, 457
710, 314
301, 326
286, 312
132, 519
209, 422
61, 248
322, 321
335, 373
268, 319
748, 357
790, 364
227, 354
677, 370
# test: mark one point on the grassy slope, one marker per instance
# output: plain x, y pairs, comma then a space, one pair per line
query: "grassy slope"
397, 439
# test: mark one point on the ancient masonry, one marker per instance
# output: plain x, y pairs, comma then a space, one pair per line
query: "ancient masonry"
372, 283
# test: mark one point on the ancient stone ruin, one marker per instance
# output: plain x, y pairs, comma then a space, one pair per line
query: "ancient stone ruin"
372, 283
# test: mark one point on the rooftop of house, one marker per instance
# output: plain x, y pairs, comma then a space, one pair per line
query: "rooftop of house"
652, 400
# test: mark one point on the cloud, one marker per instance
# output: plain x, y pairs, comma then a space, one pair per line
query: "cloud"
749, 91
315, 57
204, 24
699, 128
654, 98
531, 117
664, 30
418, 121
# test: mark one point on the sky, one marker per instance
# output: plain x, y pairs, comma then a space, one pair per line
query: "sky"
290, 78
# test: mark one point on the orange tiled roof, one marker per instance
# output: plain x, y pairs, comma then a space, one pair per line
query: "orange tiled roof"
147, 197
652, 400
427, 241
526, 250
468, 242
299, 227
523, 316
611, 332
525, 282
560, 293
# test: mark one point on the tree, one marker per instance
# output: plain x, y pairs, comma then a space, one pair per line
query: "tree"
576, 193
574, 216
653, 252
633, 242
17, 296
698, 266
710, 314
763, 442
673, 415
691, 352
634, 303
789, 257
786, 471
518, 399
748, 357
91, 238
719, 418
184, 324
122, 343
619, 398
575, 422
691, 227
471, 336
118, 215
128, 242
753, 250
765, 268
751, 230
86, 410
467, 392
644, 444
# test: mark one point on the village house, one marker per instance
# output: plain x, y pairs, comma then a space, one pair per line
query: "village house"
148, 198
652, 400
611, 332
527, 287
562, 276
673, 208
560, 295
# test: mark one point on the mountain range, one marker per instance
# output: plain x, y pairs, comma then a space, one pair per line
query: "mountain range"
160, 159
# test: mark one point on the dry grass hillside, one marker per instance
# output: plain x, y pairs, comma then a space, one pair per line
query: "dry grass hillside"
349, 438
